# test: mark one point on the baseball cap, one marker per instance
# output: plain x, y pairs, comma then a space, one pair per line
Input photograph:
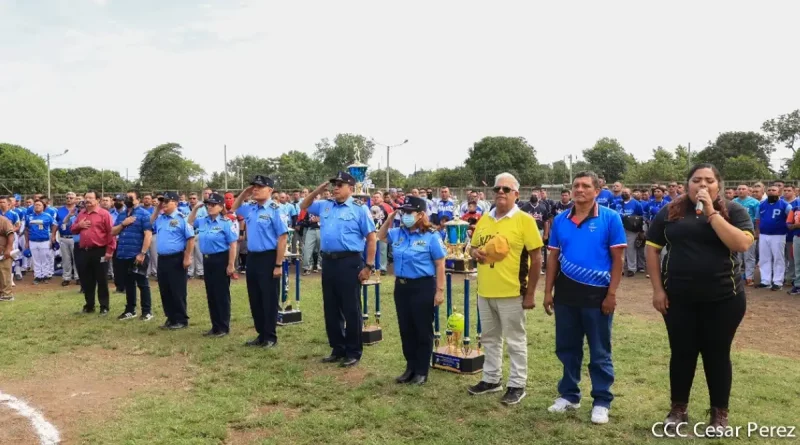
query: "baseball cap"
263, 181
414, 204
169, 196
344, 177
496, 249
214, 198
119, 197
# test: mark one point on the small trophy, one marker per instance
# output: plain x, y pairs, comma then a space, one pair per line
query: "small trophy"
359, 172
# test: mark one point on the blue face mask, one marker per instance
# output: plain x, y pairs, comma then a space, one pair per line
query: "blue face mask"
409, 220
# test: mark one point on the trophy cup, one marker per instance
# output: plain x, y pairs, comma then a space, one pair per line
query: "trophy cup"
457, 254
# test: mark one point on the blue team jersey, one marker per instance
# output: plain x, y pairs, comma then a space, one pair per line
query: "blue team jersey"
63, 223
215, 234
264, 225
173, 232
653, 207
632, 207
39, 226
445, 208
605, 198
752, 205
415, 252
12, 216
344, 226
772, 218
131, 239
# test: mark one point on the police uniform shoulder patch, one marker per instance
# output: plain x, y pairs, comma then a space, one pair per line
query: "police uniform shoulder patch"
273, 205
358, 202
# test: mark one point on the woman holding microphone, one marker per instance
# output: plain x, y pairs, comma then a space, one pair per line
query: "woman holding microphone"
217, 238
699, 289
419, 267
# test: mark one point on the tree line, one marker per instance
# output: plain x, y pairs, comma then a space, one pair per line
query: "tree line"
739, 155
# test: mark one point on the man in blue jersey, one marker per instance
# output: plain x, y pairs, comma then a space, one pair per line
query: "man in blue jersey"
752, 206
445, 207
772, 239
633, 221
605, 198
39, 225
64, 217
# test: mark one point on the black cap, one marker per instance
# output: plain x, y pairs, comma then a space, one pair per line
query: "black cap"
214, 198
119, 198
263, 181
169, 196
414, 204
343, 177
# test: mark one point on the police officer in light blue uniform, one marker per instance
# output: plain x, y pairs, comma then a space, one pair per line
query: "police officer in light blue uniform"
346, 228
266, 246
174, 244
419, 267
217, 238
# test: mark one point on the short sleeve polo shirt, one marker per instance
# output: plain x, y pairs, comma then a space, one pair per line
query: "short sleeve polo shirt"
584, 254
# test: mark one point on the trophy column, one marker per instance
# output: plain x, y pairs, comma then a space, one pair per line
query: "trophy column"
288, 314
457, 355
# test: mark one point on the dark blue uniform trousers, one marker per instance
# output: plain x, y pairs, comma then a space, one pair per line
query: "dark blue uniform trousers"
172, 286
341, 300
218, 290
262, 288
413, 300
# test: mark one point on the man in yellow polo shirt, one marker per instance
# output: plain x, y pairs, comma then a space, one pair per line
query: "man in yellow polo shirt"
500, 240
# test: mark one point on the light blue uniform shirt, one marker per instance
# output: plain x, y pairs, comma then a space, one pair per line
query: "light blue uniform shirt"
202, 212
264, 225
751, 205
288, 210
415, 252
215, 235
173, 232
343, 227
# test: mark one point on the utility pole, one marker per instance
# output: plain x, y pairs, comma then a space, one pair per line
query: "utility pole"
49, 196
102, 181
225, 170
570, 169
387, 156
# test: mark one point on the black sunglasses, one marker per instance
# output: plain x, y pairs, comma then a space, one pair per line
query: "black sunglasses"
504, 189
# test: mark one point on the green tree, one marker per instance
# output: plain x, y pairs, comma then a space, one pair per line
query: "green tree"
165, 168
378, 177
421, 178
733, 144
22, 171
455, 177
609, 158
82, 179
296, 170
493, 155
784, 130
338, 155
664, 166
746, 167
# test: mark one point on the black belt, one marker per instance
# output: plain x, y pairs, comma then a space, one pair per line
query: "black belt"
412, 280
213, 255
170, 255
66, 236
339, 255
263, 252
92, 248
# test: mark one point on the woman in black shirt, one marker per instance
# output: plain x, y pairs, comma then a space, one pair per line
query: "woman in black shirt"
699, 288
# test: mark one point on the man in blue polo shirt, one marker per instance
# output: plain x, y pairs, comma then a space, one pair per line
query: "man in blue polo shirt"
135, 233
582, 280
605, 198
752, 206
65, 217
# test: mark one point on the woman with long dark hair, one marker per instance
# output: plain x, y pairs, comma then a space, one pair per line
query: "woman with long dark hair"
698, 288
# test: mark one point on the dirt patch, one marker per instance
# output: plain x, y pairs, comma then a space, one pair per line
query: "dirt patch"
267, 410
15, 428
769, 326
87, 387
246, 436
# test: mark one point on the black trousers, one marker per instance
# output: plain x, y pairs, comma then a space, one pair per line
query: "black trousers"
132, 281
341, 300
262, 290
172, 286
94, 276
78, 260
706, 329
413, 300
218, 290
120, 273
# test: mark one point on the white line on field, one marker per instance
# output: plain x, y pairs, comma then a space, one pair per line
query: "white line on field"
48, 434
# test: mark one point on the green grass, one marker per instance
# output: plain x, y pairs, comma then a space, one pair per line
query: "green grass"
286, 396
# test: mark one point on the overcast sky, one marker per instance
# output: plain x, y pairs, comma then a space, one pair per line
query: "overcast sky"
109, 79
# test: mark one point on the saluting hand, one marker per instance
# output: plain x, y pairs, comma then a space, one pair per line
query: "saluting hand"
199, 204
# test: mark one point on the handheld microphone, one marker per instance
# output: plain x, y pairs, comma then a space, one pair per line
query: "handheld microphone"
699, 207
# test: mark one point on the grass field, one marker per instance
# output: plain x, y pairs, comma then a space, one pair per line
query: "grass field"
105, 381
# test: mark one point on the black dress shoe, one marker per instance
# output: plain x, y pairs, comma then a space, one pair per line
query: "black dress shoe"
209, 333
87, 310
103, 312
406, 377
269, 344
166, 325
349, 362
418, 380
254, 342
219, 334
332, 359
65, 283
177, 326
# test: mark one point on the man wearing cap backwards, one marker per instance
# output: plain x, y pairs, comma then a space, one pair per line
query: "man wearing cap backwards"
174, 244
585, 270
500, 239
346, 226
266, 246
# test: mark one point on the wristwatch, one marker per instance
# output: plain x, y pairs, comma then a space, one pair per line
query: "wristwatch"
370, 266
278, 265
143, 253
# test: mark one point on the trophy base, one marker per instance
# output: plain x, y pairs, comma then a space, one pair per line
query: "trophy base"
372, 281
461, 265
447, 359
371, 335
289, 317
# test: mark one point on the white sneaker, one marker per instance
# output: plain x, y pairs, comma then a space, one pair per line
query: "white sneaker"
599, 415
562, 406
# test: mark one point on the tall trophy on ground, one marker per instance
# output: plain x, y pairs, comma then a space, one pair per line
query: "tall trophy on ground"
458, 258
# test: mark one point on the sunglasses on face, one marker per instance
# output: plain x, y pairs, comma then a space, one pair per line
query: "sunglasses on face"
503, 188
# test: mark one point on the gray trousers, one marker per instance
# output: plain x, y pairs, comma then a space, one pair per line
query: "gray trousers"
311, 243
748, 258
633, 255
153, 269
503, 318
70, 269
196, 268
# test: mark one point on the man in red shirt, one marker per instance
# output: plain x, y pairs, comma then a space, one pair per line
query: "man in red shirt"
97, 245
